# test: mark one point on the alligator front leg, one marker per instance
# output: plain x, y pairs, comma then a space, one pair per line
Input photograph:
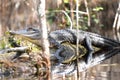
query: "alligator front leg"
88, 46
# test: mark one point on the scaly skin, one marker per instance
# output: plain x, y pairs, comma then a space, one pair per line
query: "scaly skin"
68, 35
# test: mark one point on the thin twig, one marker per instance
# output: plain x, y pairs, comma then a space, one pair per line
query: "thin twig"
71, 9
80, 12
87, 10
77, 53
66, 16
116, 24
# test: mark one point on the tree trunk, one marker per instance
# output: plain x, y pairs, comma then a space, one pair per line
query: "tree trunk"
42, 17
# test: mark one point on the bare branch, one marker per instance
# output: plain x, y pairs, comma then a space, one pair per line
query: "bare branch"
16, 49
87, 10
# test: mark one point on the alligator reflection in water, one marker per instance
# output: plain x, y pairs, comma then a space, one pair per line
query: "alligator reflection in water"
98, 57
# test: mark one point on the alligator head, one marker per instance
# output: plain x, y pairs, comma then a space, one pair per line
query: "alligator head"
30, 34
34, 36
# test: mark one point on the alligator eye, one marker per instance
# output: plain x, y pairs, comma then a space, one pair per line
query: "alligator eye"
32, 29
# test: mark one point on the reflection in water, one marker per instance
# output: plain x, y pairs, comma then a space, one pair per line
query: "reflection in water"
8, 75
17, 76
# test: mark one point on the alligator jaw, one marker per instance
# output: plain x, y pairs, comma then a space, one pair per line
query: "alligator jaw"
30, 34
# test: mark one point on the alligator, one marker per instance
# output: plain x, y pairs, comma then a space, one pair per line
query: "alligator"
56, 38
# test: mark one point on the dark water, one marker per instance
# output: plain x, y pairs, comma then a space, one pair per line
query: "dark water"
18, 76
